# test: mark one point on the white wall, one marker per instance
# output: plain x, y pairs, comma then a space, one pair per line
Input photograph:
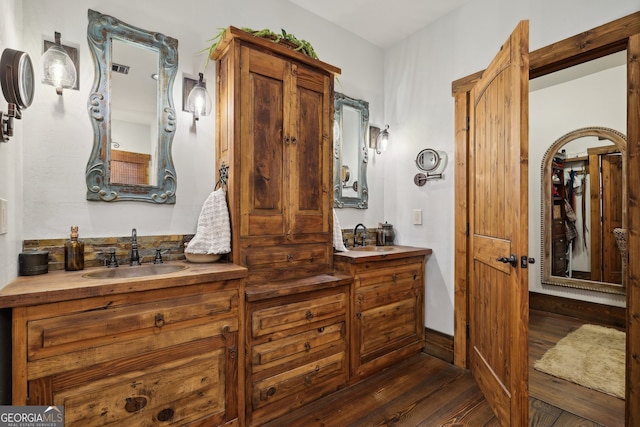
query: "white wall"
11, 152
420, 110
56, 135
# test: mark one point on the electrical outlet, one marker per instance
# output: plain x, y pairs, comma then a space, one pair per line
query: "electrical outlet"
417, 216
3, 216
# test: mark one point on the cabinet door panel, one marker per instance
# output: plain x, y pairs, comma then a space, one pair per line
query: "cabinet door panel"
309, 161
263, 174
385, 325
181, 391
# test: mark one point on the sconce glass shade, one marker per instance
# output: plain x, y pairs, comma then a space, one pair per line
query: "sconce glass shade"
379, 138
199, 101
57, 68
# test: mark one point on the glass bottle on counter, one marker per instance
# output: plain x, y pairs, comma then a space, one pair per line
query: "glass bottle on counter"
74, 252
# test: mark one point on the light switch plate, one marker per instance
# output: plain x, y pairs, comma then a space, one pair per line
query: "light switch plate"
3, 216
417, 216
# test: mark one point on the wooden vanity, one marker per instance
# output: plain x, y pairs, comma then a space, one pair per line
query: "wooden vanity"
129, 351
198, 347
387, 305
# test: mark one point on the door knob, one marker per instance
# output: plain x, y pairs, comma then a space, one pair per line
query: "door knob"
511, 260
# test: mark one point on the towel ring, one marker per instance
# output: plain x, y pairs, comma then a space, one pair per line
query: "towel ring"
223, 176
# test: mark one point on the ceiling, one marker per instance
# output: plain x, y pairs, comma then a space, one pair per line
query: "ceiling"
380, 22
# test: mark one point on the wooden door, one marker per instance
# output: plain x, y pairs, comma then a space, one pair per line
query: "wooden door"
611, 216
498, 190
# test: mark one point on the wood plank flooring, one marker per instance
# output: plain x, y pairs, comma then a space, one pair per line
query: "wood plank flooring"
426, 391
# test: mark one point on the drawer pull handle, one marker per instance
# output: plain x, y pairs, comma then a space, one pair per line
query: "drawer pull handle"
166, 414
159, 320
271, 391
134, 404
289, 257
309, 315
307, 346
321, 330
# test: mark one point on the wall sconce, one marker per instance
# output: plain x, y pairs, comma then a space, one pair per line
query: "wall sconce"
198, 100
379, 139
17, 79
57, 69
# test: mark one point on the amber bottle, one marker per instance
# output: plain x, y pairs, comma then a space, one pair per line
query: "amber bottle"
74, 252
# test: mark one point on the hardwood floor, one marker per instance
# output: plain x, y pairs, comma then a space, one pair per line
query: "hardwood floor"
426, 391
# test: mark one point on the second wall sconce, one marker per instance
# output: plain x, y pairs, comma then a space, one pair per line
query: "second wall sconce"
17, 79
379, 138
57, 68
198, 100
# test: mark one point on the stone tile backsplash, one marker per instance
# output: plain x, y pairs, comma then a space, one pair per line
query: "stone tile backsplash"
96, 249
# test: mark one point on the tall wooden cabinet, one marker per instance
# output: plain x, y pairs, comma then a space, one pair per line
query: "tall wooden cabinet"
275, 124
275, 135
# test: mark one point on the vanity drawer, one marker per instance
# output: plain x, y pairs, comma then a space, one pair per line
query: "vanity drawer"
398, 275
300, 385
306, 312
125, 328
282, 257
307, 345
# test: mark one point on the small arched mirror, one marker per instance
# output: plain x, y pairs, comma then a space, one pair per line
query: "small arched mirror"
584, 211
350, 155
132, 113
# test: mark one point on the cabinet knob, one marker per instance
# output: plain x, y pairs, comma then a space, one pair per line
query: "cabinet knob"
271, 391
308, 315
159, 320
286, 139
321, 330
294, 140
307, 346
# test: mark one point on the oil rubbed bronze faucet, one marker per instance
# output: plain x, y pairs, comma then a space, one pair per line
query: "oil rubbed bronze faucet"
135, 257
364, 235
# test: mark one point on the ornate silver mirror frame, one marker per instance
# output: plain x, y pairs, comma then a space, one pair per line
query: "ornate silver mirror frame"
620, 143
102, 30
350, 155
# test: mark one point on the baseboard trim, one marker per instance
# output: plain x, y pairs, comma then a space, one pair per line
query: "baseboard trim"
583, 310
438, 345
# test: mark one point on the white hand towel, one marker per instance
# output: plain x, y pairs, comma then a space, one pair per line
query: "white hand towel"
338, 243
213, 234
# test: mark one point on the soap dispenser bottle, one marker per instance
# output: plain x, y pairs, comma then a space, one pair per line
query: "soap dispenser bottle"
74, 252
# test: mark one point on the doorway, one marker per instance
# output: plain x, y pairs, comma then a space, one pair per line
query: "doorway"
613, 37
